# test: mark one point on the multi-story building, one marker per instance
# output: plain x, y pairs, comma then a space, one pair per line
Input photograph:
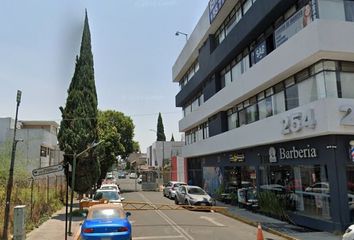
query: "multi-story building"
39, 145
267, 91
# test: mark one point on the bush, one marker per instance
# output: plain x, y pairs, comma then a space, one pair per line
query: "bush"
273, 204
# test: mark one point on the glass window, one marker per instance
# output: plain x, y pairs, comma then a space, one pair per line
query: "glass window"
228, 79
242, 117
306, 188
246, 6
196, 67
221, 36
245, 62
238, 14
278, 101
236, 71
307, 91
330, 80
350, 188
252, 113
195, 104
292, 97
347, 84
231, 24
347, 66
265, 108
232, 120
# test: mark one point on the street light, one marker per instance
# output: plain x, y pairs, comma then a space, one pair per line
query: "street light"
182, 33
73, 179
11, 171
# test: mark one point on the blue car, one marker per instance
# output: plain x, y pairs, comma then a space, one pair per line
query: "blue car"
106, 222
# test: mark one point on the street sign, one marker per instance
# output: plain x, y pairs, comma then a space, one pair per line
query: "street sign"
47, 170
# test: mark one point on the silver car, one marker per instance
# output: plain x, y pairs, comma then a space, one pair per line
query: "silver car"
170, 189
193, 195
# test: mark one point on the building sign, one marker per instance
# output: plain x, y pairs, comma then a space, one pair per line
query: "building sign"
297, 121
47, 170
348, 118
259, 52
237, 157
293, 25
297, 153
214, 8
272, 155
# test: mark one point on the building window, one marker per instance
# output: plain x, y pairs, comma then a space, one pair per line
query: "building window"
247, 4
291, 93
44, 152
264, 106
347, 84
252, 113
306, 186
232, 118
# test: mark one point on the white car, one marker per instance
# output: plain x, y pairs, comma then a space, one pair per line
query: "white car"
133, 175
349, 233
110, 187
111, 196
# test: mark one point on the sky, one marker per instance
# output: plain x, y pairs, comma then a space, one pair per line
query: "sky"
134, 47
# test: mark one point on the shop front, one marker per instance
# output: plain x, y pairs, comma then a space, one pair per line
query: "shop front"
317, 174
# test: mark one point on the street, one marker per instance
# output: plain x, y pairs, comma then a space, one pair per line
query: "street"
184, 224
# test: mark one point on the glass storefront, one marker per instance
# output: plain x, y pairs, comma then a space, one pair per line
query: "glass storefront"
350, 188
306, 185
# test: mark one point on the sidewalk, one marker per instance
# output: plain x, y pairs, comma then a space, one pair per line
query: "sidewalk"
284, 229
54, 228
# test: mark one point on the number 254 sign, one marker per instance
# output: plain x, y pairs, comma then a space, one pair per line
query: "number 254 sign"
297, 121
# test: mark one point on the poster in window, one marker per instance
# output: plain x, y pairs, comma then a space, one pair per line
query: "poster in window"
294, 24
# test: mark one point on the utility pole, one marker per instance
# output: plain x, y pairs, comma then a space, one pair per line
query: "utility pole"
11, 173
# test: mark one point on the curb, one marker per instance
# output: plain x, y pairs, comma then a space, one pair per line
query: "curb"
255, 224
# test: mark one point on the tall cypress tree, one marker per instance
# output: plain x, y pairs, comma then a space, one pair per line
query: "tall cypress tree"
78, 128
172, 138
160, 129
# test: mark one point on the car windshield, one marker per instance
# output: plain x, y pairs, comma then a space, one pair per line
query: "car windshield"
106, 214
109, 195
196, 191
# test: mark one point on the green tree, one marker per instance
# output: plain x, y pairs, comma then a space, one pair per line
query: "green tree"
172, 138
136, 146
160, 129
117, 131
78, 128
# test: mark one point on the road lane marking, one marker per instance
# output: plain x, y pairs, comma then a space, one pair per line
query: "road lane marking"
212, 221
158, 237
169, 221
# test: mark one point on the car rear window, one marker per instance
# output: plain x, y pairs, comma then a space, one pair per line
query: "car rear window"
196, 191
104, 213
111, 195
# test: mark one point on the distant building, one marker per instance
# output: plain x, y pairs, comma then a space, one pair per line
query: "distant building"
163, 150
40, 143
137, 159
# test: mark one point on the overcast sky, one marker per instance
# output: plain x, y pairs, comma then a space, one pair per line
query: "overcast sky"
134, 47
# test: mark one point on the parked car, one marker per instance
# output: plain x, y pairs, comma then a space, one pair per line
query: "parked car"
170, 189
106, 221
133, 175
193, 195
111, 195
121, 175
320, 187
110, 187
140, 179
349, 233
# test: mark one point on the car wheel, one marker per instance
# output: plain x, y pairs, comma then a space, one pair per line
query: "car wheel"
169, 196
187, 202
176, 201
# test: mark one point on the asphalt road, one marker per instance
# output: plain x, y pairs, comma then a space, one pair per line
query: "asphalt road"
184, 224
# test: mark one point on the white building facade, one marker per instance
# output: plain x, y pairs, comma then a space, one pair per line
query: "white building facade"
160, 150
267, 91
39, 147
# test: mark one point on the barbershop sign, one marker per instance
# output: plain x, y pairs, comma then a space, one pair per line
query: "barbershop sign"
292, 153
